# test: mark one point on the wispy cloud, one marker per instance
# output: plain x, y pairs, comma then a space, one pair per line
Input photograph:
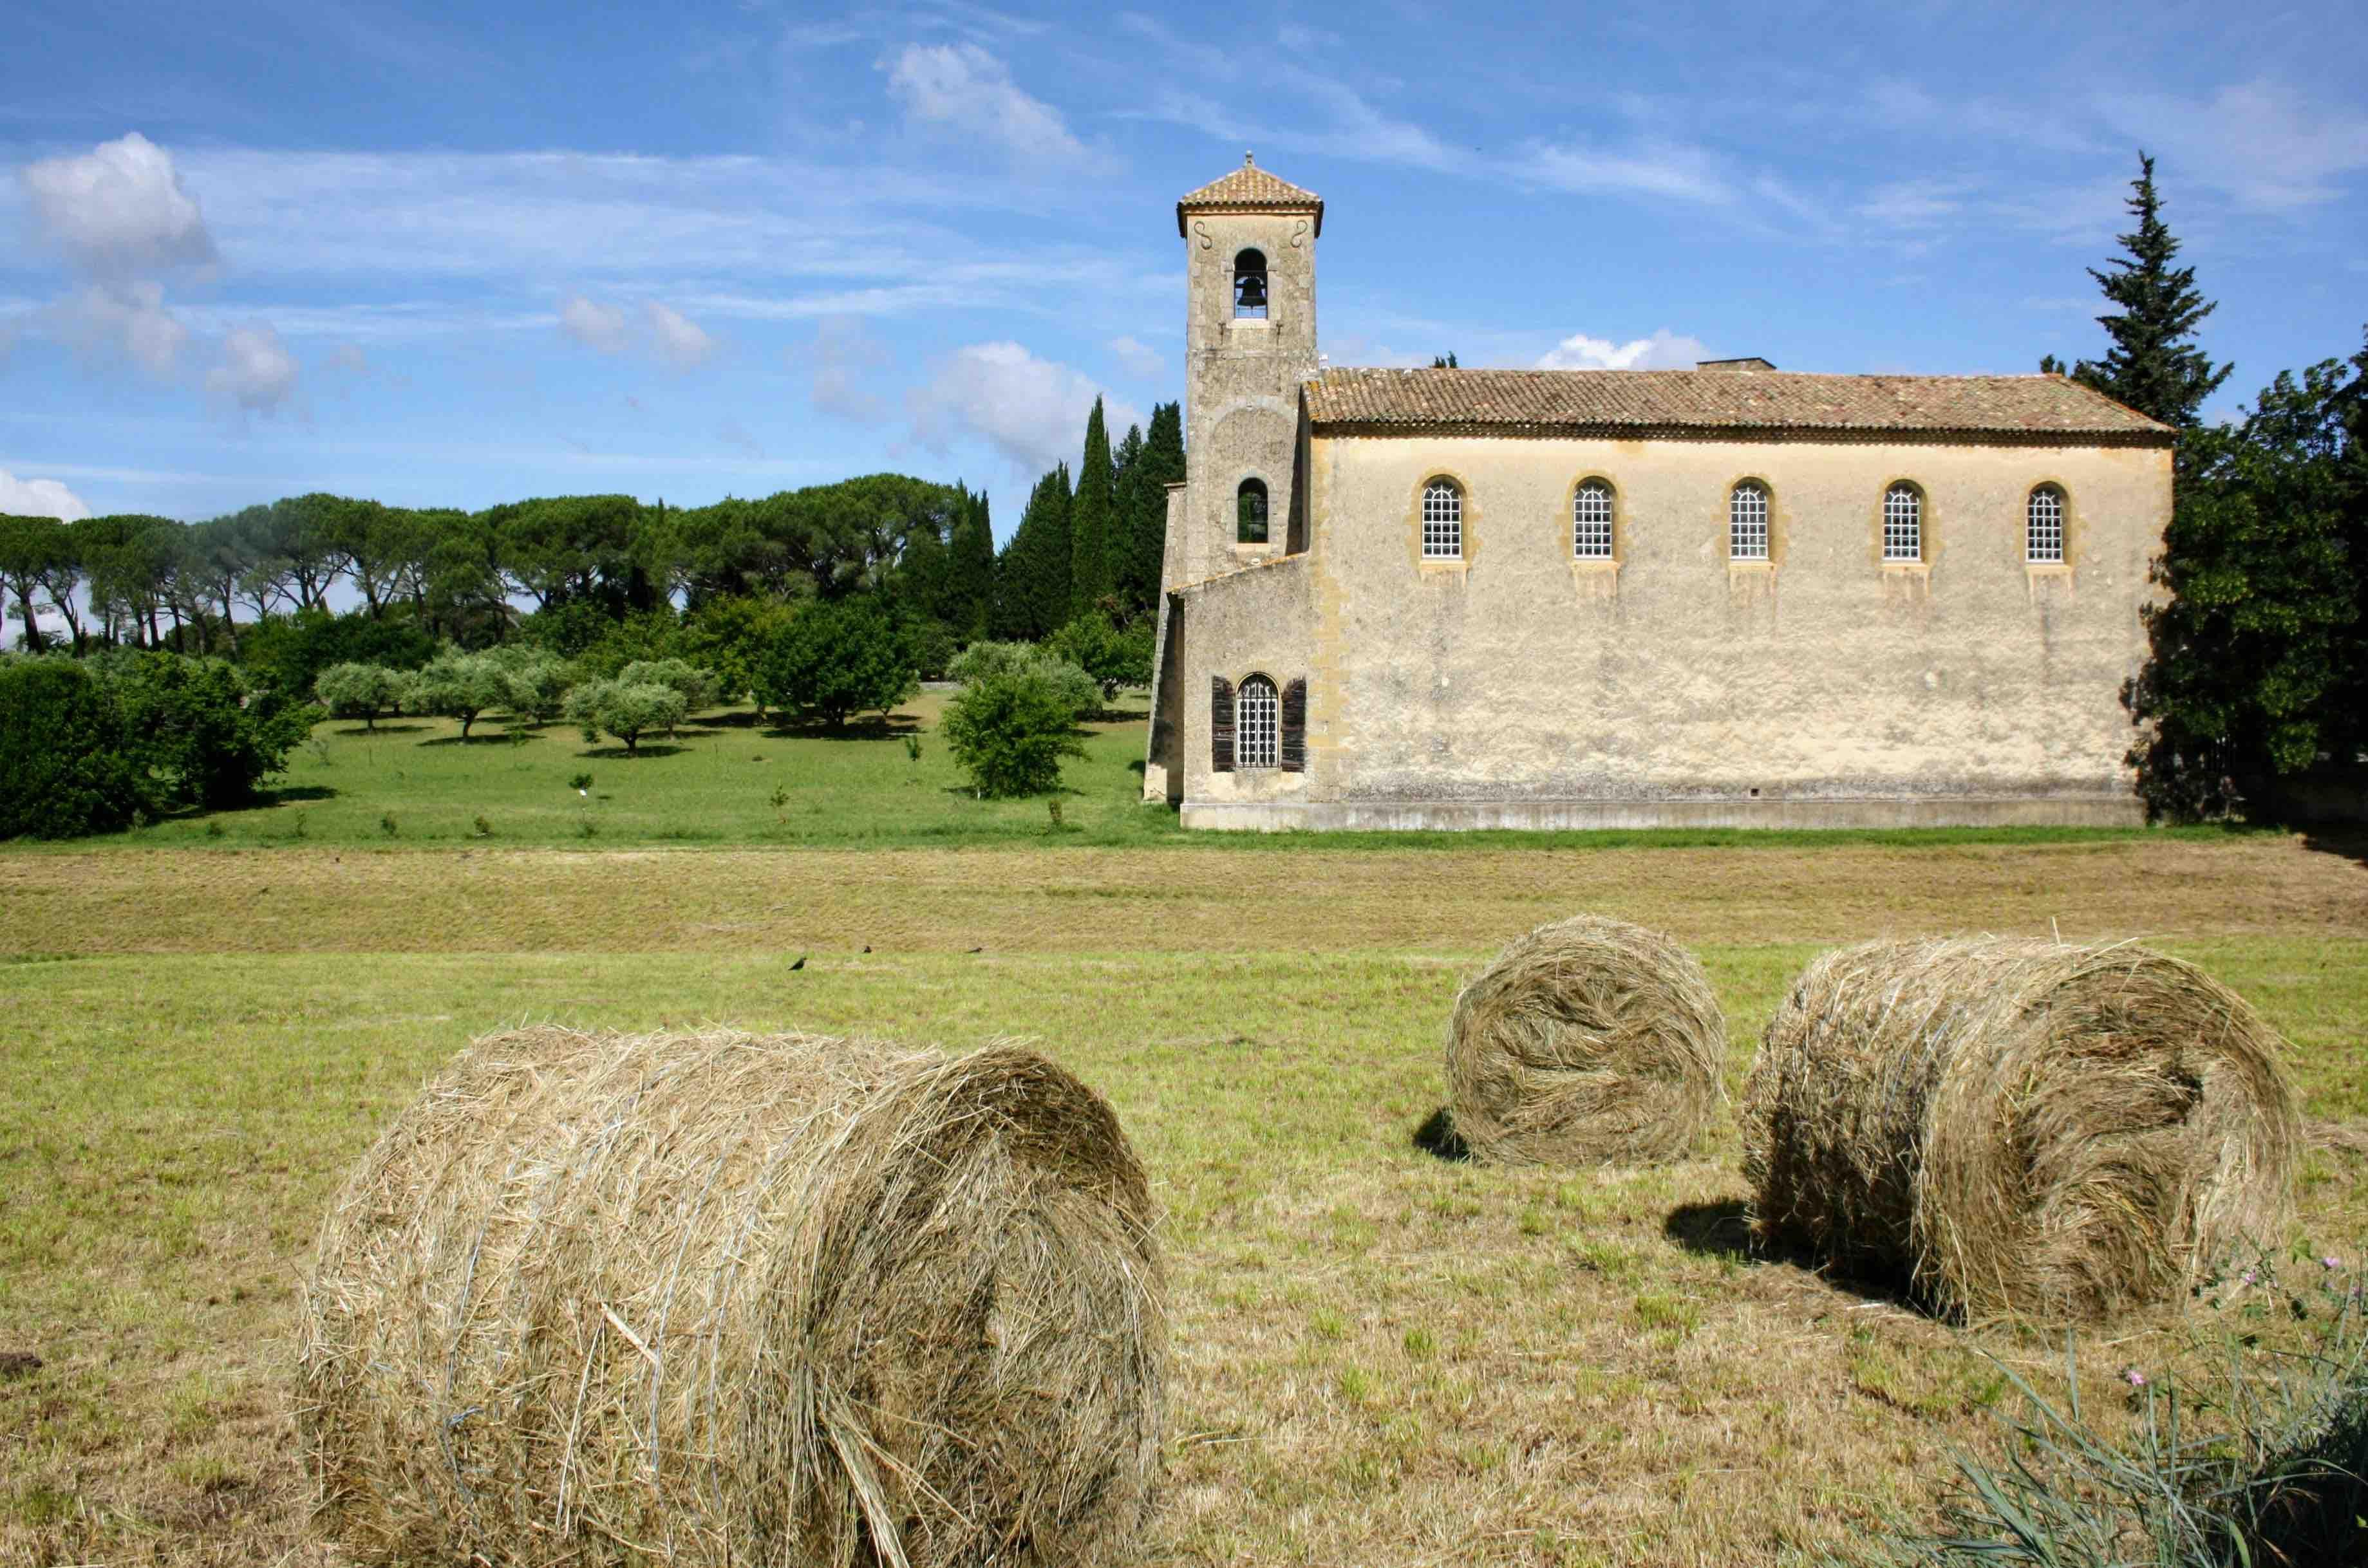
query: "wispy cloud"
962, 90
2262, 141
256, 374
1031, 410
665, 333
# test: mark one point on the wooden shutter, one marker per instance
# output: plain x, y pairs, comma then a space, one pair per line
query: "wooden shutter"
1221, 724
1295, 727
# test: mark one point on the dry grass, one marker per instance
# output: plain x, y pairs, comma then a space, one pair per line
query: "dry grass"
1379, 1357
712, 1298
1588, 1039
2022, 1127
1181, 900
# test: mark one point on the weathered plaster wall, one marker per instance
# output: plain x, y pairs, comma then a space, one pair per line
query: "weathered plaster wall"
1241, 408
1823, 676
1259, 621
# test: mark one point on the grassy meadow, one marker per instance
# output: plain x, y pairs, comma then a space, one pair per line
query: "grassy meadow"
1381, 1357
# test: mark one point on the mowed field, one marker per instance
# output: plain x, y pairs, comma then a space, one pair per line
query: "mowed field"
1381, 1357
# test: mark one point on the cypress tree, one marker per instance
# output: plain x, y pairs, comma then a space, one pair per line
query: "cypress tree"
1161, 465
1031, 575
1126, 508
2153, 365
971, 574
1089, 519
1056, 563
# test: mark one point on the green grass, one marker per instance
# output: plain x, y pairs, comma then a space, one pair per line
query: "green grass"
414, 783
1381, 1357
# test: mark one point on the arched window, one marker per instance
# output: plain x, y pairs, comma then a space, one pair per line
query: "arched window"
1903, 523
1249, 512
1258, 717
1590, 521
1747, 522
1249, 286
2042, 537
1442, 520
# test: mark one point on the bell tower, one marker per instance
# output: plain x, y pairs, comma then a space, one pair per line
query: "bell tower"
1249, 340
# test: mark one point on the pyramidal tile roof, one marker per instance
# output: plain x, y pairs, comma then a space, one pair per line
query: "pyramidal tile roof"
1251, 189
2049, 408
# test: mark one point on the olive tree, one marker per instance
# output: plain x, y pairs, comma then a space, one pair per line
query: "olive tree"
625, 709
358, 691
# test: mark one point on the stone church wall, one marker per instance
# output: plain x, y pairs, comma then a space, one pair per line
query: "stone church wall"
1824, 687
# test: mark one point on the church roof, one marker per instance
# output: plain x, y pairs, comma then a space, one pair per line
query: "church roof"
1251, 189
1676, 403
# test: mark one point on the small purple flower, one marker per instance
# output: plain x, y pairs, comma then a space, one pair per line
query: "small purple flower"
2247, 1277
2332, 1263
2134, 1377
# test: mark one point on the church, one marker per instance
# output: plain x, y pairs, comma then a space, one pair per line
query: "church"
1732, 595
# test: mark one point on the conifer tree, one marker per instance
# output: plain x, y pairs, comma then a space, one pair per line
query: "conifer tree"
2153, 365
1032, 573
971, 590
1161, 465
1126, 507
1089, 519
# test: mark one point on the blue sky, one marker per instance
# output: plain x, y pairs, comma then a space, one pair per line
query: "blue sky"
456, 255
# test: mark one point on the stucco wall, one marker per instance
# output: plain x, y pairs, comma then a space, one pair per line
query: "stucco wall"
1242, 379
1260, 620
1824, 675
1825, 685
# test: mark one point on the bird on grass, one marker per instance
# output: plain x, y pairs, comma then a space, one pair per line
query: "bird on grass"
801, 963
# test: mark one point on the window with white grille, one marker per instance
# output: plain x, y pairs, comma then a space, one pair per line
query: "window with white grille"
1442, 520
1590, 509
1258, 718
2044, 538
1747, 523
1903, 523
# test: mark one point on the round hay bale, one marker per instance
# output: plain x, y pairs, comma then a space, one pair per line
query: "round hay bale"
1587, 1041
716, 1298
2023, 1129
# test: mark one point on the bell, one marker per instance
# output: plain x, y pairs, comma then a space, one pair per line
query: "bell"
1249, 290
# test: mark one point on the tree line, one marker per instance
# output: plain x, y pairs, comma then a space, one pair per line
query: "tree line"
2258, 670
925, 550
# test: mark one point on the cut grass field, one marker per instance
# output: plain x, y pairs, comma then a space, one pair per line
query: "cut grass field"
1381, 1357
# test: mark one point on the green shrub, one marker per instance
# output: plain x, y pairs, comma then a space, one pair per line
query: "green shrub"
201, 732
980, 661
66, 763
358, 691
837, 660
697, 686
729, 636
1009, 733
625, 710
1114, 657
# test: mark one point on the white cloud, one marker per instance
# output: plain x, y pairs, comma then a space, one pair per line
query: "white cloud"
1140, 358
678, 340
39, 498
1679, 173
961, 87
596, 326
2261, 142
256, 372
672, 337
1033, 411
119, 209
848, 366
106, 320
1664, 350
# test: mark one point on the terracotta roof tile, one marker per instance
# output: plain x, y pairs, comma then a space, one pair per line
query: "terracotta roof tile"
1251, 189
1689, 402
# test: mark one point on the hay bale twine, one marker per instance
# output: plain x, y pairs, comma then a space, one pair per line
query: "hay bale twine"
2023, 1129
715, 1298
1586, 1041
